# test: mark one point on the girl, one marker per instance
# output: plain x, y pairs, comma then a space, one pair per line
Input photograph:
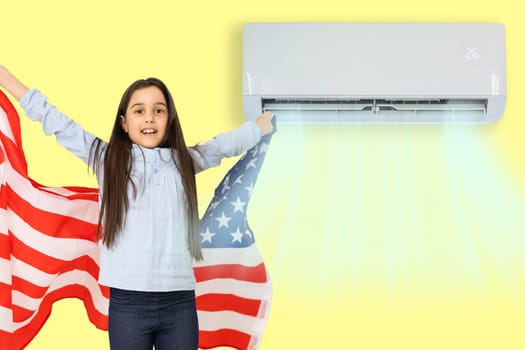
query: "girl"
146, 176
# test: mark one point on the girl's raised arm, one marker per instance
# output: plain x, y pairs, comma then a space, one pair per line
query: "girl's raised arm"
69, 133
9, 82
233, 143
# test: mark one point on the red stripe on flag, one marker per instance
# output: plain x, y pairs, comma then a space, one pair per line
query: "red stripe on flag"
21, 314
5, 295
86, 193
22, 336
30, 289
223, 337
230, 302
52, 224
5, 246
256, 274
3, 199
6, 339
49, 264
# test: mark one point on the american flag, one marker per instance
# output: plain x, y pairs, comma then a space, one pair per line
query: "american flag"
48, 252
234, 290
48, 249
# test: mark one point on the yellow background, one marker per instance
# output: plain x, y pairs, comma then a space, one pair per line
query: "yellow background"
376, 237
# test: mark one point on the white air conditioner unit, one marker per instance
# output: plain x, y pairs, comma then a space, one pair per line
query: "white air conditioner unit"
375, 72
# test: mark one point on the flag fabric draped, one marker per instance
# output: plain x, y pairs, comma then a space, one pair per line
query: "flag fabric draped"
234, 290
49, 251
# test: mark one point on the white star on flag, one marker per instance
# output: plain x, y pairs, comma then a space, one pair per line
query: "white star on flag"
251, 163
264, 148
237, 236
223, 220
225, 188
238, 205
238, 180
214, 205
249, 189
207, 236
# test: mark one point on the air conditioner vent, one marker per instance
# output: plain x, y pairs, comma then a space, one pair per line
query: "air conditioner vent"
377, 110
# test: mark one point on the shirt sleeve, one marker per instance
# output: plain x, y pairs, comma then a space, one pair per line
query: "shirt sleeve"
69, 133
233, 143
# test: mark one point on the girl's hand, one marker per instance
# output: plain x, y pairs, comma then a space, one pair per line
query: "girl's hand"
3, 74
264, 122
9, 82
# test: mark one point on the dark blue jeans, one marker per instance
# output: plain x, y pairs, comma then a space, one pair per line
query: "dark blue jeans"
140, 320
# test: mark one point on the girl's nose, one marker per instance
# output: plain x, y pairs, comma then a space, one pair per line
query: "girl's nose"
149, 118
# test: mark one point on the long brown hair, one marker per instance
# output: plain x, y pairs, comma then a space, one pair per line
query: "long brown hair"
116, 158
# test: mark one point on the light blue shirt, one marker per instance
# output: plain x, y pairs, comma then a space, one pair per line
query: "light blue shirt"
151, 252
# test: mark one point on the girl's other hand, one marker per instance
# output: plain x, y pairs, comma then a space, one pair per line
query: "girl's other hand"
3, 74
264, 122
9, 82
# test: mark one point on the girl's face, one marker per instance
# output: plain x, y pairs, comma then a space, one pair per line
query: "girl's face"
146, 117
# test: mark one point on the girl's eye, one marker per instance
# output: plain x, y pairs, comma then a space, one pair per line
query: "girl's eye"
159, 111
138, 111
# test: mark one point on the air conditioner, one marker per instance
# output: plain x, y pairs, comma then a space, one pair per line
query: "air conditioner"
375, 72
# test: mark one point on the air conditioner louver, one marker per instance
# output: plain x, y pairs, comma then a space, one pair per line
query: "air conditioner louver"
370, 111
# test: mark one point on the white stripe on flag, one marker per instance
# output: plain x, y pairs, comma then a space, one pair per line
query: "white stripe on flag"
30, 273
50, 203
6, 318
67, 279
209, 321
5, 128
248, 290
70, 278
58, 248
3, 222
5, 265
219, 256
62, 191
